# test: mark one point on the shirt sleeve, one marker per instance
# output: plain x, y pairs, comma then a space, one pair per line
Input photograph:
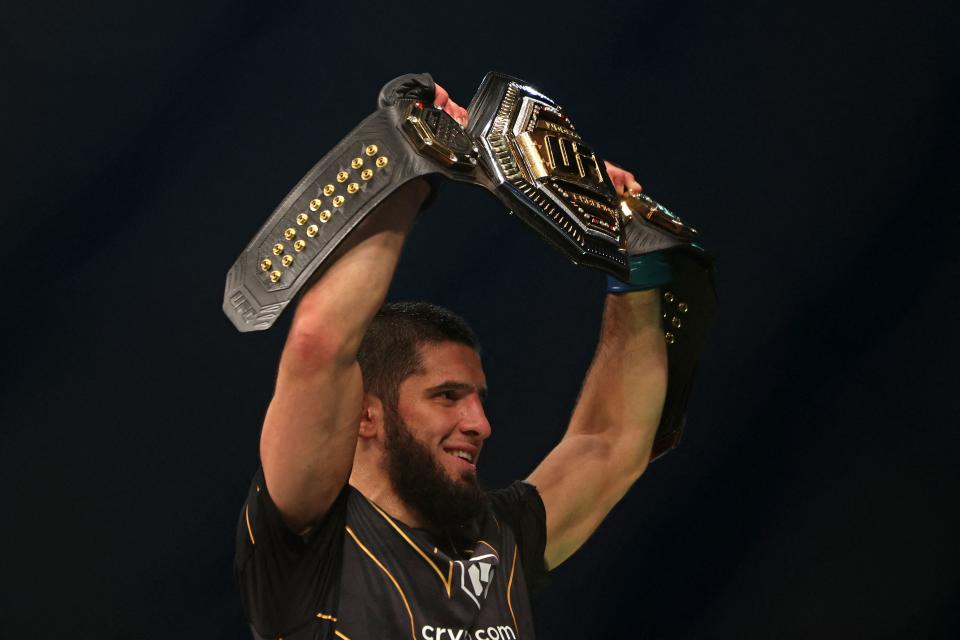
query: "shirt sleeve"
286, 579
521, 507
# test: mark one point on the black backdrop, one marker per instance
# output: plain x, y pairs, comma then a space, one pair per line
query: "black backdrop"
813, 144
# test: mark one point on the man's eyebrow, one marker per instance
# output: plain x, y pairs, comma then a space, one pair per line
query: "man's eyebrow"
455, 385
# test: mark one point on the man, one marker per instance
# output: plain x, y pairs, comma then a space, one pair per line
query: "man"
366, 520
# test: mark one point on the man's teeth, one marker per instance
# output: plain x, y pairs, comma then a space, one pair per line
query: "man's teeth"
463, 454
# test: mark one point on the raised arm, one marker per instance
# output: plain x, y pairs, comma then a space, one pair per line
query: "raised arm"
608, 442
310, 430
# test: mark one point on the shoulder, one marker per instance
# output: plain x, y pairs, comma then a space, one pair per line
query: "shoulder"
520, 508
518, 495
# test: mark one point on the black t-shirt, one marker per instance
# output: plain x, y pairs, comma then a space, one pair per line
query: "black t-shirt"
362, 575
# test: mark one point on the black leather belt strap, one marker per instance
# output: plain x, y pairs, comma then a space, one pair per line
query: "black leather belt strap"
688, 302
372, 161
689, 305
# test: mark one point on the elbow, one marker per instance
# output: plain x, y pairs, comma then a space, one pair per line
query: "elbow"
633, 458
314, 346
642, 462
626, 458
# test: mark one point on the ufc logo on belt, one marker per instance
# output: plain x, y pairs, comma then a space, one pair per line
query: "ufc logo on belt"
571, 158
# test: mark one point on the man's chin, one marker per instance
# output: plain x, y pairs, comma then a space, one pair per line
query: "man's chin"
445, 494
466, 477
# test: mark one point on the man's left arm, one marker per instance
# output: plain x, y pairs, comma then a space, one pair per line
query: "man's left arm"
608, 443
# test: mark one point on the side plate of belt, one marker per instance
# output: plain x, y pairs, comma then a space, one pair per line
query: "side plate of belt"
520, 146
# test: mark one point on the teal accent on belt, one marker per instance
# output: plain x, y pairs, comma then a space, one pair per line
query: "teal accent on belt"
647, 271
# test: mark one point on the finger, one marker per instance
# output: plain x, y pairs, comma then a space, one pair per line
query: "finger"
630, 183
622, 180
616, 175
617, 181
442, 99
456, 112
440, 96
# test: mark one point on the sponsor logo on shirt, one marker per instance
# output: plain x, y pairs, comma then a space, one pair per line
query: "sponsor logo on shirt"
476, 575
502, 632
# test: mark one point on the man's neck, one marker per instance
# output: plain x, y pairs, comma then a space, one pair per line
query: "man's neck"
378, 489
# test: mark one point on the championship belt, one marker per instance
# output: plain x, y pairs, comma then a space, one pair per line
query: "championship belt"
520, 146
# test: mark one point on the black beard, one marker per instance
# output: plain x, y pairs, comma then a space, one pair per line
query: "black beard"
446, 506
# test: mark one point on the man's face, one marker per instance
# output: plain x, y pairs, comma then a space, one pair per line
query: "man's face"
433, 439
443, 407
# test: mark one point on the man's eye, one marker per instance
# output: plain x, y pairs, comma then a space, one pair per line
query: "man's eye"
448, 395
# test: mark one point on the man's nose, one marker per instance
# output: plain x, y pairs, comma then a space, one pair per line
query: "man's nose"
474, 419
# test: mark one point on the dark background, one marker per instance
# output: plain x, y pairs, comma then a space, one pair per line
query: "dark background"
813, 144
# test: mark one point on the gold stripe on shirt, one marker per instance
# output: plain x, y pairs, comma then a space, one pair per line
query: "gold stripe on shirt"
246, 514
413, 627
510, 586
492, 548
447, 581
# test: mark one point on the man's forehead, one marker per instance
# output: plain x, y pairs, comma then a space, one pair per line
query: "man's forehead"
452, 361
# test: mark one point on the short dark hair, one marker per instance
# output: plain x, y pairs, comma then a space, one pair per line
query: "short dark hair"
390, 349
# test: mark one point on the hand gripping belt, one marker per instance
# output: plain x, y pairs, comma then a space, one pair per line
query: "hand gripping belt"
520, 146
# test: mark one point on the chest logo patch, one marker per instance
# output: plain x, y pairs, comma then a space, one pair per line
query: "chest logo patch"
476, 576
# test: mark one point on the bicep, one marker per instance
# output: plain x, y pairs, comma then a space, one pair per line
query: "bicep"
308, 440
580, 481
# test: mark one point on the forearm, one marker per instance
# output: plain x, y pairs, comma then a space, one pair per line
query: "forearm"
333, 315
624, 390
608, 442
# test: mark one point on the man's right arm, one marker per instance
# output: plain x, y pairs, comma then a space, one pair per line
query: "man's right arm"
310, 430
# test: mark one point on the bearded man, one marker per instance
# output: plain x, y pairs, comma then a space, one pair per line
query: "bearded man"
366, 519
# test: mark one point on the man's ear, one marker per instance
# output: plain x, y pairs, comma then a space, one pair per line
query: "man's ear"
371, 416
